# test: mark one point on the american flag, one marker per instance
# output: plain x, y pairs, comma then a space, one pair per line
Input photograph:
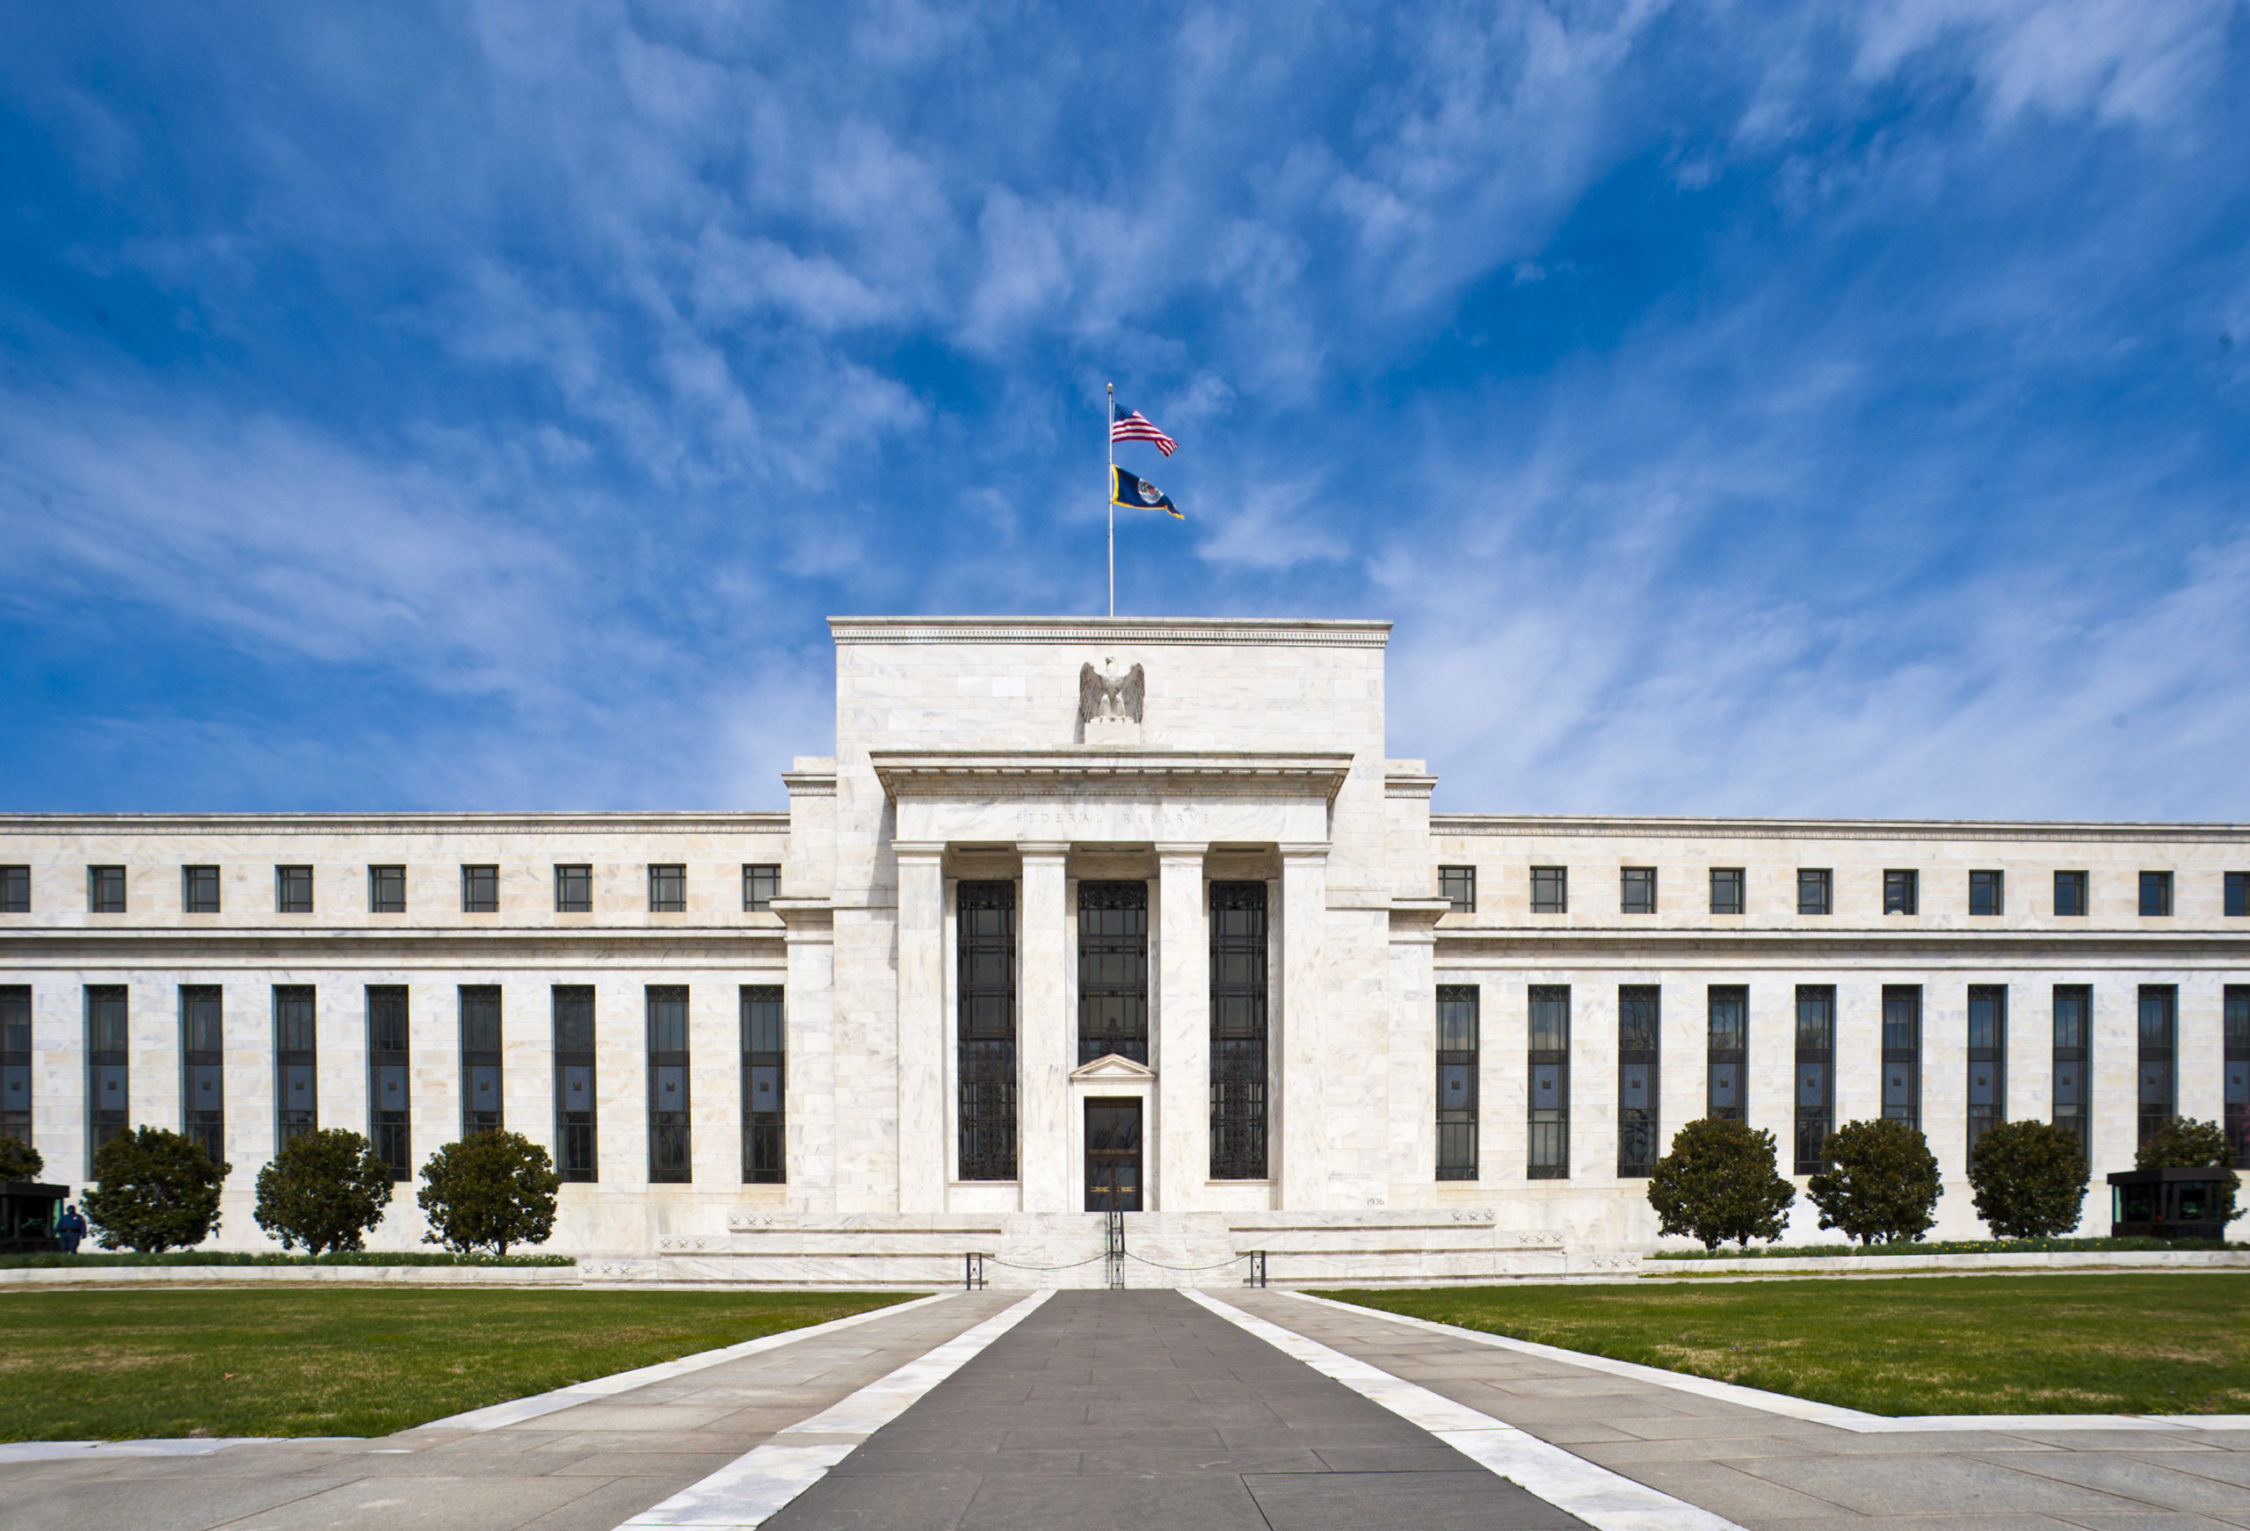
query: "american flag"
1131, 425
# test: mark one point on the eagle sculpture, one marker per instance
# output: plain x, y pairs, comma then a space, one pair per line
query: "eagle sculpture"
1109, 696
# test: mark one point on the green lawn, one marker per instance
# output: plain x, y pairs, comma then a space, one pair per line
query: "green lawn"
2065, 1344
115, 1365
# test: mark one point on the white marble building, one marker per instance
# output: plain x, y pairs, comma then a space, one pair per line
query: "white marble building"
857, 1039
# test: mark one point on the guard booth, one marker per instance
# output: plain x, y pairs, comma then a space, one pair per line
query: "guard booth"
2169, 1203
28, 1209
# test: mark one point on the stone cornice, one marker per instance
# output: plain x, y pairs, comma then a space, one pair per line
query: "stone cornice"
471, 949
636, 823
1532, 826
1221, 631
1108, 773
1655, 948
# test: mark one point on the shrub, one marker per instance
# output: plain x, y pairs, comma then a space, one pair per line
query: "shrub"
324, 1190
492, 1189
2187, 1144
19, 1160
1882, 1182
1719, 1182
159, 1190
2029, 1179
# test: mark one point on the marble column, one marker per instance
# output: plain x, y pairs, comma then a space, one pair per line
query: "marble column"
1300, 1169
1046, 1036
923, 1152
1181, 1135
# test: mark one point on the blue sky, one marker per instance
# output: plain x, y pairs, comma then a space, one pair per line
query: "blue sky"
1739, 408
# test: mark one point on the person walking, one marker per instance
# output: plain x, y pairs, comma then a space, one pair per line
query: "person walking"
70, 1227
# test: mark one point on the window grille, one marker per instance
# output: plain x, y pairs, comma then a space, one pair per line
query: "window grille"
1902, 892
985, 953
296, 1060
389, 1078
2236, 1086
1457, 1084
668, 1160
1637, 891
1238, 1031
15, 890
667, 889
1987, 894
1726, 890
1550, 890
1816, 1081
386, 890
2070, 894
203, 1080
574, 889
764, 1086
2073, 1059
1902, 1054
480, 890
1113, 970
105, 890
108, 1082
15, 1062
293, 890
1726, 1052
480, 1059
576, 1099
2159, 1029
1458, 887
1548, 1102
1640, 1044
2156, 893
199, 893
761, 885
1814, 890
1988, 1059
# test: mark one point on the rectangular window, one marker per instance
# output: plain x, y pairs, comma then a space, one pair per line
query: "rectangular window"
15, 890
761, 885
296, 1061
1637, 890
480, 1058
668, 1161
203, 1080
1902, 1054
2074, 1037
2238, 895
1813, 890
15, 1062
199, 893
2159, 1032
1816, 1076
1988, 1059
667, 889
105, 890
480, 890
1550, 890
2070, 894
386, 890
1727, 1052
389, 1079
1986, 890
2156, 893
1548, 1101
109, 1097
293, 890
985, 959
574, 890
1458, 887
1238, 1031
1113, 970
1639, 1041
2237, 1063
1726, 890
1902, 892
574, 1083
1457, 1051
765, 1086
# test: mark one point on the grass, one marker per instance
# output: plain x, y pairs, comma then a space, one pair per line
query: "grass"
1903, 1247
55, 1260
118, 1365
2076, 1344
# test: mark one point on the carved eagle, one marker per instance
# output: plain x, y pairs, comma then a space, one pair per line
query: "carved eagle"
1109, 696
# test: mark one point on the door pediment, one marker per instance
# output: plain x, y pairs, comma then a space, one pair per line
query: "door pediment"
1112, 1068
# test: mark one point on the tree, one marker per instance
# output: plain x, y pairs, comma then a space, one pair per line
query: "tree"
2029, 1179
491, 1188
324, 1190
19, 1160
1882, 1182
2187, 1144
159, 1190
1719, 1182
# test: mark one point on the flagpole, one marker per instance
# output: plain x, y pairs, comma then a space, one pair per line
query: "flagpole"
1109, 490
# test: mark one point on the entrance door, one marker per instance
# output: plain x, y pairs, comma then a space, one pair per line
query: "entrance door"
1113, 1155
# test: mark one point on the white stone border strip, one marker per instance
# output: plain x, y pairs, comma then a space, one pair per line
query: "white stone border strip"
180, 1446
1797, 1408
743, 1494
516, 1410
1603, 1499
